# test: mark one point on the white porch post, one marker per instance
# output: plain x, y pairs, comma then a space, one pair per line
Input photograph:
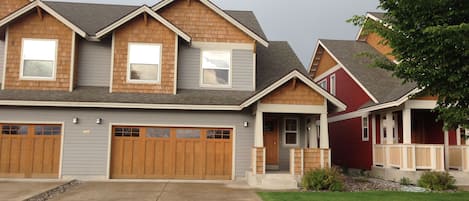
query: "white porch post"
373, 136
389, 125
313, 134
446, 133
458, 137
259, 129
406, 125
324, 132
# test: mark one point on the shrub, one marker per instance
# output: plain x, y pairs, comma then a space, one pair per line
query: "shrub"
323, 179
437, 181
405, 181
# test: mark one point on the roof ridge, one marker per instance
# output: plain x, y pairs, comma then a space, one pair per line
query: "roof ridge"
103, 4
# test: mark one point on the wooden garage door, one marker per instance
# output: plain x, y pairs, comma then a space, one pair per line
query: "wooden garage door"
171, 153
30, 151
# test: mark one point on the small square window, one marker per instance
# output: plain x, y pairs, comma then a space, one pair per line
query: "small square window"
216, 67
38, 59
144, 63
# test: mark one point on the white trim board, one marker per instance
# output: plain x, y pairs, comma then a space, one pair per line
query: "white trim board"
135, 13
223, 14
37, 3
328, 72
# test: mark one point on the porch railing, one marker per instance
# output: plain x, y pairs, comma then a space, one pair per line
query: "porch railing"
410, 157
459, 157
303, 160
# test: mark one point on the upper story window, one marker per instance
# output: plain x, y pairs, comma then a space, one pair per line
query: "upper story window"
144, 63
323, 84
333, 85
216, 68
39, 59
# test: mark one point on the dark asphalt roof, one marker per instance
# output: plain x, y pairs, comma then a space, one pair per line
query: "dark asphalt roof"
91, 18
379, 82
379, 15
273, 63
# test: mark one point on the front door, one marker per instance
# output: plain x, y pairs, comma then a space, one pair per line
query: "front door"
271, 141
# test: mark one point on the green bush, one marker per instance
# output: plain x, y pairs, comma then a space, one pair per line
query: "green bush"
405, 181
437, 181
323, 179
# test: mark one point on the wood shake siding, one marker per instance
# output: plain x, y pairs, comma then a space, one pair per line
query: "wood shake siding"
203, 24
138, 31
294, 94
47, 27
374, 40
326, 63
9, 6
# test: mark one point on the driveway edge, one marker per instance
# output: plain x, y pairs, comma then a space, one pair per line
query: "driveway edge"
46, 195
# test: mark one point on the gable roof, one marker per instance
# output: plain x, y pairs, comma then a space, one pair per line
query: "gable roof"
223, 14
37, 3
376, 15
135, 13
379, 82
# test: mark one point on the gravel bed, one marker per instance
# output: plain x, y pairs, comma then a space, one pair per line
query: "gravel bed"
53, 192
358, 184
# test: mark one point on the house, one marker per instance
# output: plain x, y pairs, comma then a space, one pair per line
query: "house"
388, 126
178, 90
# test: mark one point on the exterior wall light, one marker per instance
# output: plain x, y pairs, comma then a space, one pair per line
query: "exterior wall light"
246, 124
99, 121
75, 120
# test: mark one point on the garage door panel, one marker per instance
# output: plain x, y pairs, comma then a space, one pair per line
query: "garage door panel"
171, 153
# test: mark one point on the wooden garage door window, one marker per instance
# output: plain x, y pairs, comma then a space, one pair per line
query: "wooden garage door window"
126, 132
171, 153
30, 151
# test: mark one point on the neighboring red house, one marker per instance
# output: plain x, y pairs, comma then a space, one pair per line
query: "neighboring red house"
388, 127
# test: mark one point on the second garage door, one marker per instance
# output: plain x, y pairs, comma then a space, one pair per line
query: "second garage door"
171, 153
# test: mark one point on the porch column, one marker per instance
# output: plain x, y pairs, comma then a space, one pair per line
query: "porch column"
259, 129
389, 125
373, 136
446, 141
324, 132
313, 134
406, 126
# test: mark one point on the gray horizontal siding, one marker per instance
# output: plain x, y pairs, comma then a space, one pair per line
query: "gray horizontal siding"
86, 154
189, 69
94, 63
284, 151
2, 59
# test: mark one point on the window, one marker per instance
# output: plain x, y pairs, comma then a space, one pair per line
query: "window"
126, 132
291, 132
188, 133
365, 131
144, 63
218, 134
47, 130
333, 84
323, 84
216, 67
158, 132
15, 129
38, 59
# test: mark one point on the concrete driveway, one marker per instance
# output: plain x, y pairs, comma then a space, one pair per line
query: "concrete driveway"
20, 190
143, 191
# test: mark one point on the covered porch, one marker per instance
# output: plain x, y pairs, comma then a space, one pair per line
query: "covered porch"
409, 138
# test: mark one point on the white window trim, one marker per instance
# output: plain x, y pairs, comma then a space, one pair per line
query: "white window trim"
285, 132
230, 70
323, 82
158, 81
365, 139
54, 70
333, 84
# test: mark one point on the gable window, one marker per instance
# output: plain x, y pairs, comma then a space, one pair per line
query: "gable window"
291, 131
365, 130
144, 63
323, 84
216, 68
39, 59
332, 87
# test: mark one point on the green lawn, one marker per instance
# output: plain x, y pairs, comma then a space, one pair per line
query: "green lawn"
363, 196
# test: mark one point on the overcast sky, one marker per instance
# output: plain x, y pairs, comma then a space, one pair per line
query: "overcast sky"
300, 22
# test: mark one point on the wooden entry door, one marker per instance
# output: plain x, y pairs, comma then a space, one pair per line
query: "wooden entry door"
271, 139
30, 151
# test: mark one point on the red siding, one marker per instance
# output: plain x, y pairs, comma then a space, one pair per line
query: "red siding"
348, 91
424, 128
452, 137
378, 130
347, 146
